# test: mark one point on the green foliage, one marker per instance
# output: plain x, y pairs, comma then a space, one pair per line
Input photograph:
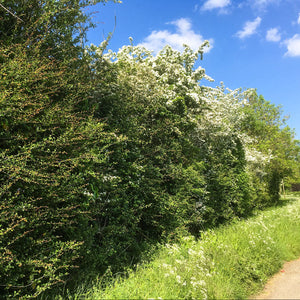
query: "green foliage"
103, 155
158, 104
50, 151
48, 154
57, 26
230, 262
265, 124
227, 183
158, 177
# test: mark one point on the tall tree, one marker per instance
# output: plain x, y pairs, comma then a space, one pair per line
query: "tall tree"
265, 124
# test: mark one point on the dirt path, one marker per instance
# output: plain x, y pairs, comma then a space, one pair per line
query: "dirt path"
285, 284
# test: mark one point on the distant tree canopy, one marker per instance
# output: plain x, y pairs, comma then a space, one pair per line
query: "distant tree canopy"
103, 155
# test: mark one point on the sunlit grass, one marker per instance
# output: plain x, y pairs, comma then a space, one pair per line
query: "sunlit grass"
233, 261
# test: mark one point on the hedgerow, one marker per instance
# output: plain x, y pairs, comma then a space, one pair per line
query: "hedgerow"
103, 155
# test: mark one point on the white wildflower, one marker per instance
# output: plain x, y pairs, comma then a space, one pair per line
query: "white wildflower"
191, 252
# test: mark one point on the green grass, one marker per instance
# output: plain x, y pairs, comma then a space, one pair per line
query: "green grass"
232, 261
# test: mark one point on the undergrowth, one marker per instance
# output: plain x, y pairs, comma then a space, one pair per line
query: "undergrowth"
232, 261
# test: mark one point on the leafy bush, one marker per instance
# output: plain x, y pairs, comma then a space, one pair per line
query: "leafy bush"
103, 155
47, 156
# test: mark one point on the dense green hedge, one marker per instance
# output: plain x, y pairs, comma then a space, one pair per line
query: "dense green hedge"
104, 155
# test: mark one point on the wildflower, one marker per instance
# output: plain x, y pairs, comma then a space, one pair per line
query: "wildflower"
180, 262
191, 252
201, 283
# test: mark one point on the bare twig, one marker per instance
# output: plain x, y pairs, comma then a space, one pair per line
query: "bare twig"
11, 12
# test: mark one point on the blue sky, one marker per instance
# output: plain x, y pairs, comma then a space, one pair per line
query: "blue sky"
254, 43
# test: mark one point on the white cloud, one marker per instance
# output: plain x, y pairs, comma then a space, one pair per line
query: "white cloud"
262, 4
184, 34
298, 21
273, 35
293, 46
249, 28
213, 4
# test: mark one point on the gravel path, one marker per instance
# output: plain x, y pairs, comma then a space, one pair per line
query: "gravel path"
285, 284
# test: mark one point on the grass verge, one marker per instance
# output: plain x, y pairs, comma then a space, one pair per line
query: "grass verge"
232, 261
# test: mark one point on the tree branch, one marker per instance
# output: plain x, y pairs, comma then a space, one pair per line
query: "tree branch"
11, 12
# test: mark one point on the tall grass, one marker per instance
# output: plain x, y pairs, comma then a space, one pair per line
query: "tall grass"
232, 261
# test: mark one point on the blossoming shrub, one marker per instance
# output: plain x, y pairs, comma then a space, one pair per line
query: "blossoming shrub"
103, 155
184, 137
159, 175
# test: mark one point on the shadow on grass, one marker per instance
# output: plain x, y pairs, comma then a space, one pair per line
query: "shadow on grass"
86, 280
288, 199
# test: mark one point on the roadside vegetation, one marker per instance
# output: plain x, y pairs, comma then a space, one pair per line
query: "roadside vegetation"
230, 262
104, 155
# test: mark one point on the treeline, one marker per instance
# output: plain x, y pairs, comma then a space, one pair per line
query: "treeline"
102, 155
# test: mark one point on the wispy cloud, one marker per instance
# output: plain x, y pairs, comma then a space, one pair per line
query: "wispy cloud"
298, 21
293, 46
196, 7
215, 4
262, 4
184, 34
249, 28
273, 35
